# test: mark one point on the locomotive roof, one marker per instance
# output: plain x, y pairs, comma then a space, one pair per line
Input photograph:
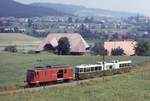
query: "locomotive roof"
51, 67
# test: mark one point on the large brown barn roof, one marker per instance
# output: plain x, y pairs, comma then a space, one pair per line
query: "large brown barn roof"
77, 43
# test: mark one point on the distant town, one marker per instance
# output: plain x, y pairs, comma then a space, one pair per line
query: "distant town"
109, 27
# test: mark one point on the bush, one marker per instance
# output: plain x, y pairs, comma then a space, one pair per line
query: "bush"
10, 49
117, 51
142, 48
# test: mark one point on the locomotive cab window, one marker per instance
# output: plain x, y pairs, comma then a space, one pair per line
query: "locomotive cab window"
65, 71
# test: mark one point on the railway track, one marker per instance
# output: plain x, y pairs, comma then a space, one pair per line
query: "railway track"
27, 89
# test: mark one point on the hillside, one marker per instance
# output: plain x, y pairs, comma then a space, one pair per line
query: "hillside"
12, 8
83, 11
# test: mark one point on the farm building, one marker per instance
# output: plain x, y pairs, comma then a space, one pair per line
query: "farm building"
78, 45
127, 46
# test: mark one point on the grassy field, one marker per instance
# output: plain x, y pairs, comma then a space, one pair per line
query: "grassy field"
13, 66
22, 41
134, 86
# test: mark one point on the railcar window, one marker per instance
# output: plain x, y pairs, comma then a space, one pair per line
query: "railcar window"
88, 69
100, 68
92, 68
121, 65
96, 68
110, 67
81, 70
84, 69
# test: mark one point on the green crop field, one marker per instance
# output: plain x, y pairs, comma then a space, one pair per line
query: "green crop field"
22, 41
13, 66
133, 86
13, 37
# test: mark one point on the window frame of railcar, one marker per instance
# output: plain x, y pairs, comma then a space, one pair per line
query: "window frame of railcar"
99, 68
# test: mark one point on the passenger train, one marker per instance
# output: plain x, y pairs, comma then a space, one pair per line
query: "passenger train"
57, 73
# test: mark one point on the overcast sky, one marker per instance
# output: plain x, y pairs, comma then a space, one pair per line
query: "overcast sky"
137, 6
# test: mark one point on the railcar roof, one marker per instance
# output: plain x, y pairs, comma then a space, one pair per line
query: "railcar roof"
88, 65
101, 64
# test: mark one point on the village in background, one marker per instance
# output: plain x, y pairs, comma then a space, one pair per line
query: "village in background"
95, 34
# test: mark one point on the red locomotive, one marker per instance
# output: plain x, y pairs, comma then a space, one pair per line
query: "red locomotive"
48, 74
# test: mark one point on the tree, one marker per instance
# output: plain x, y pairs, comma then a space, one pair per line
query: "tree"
88, 20
10, 49
30, 23
99, 49
63, 47
117, 51
142, 48
86, 33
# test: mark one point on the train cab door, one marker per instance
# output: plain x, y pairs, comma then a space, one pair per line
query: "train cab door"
60, 74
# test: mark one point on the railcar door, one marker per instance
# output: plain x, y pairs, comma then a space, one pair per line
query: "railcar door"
60, 74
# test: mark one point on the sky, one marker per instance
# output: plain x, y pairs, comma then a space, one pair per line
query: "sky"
136, 6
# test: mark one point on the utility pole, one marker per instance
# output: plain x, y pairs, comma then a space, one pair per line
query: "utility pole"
103, 58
